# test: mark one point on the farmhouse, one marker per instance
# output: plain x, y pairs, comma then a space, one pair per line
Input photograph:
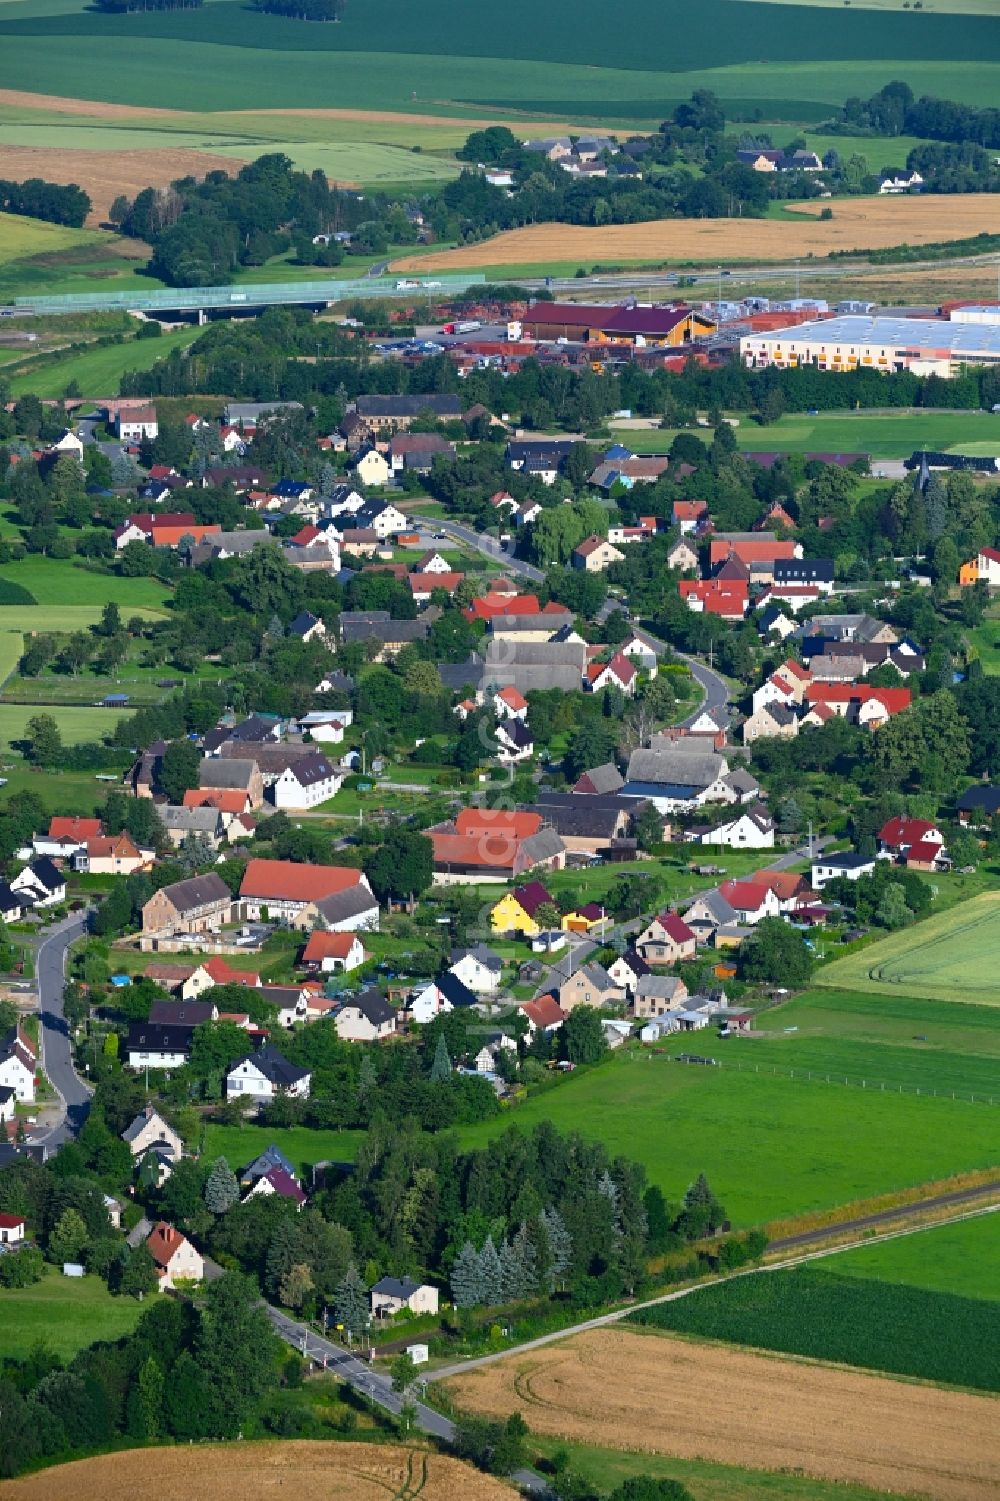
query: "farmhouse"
489, 844
200, 904
288, 890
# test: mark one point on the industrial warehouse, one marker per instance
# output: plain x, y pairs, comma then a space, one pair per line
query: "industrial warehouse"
631, 323
925, 346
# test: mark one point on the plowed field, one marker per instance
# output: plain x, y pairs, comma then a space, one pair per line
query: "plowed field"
624, 1390
857, 224
251, 1472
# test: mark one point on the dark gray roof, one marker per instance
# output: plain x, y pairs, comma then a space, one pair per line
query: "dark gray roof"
675, 768
255, 727
456, 991
303, 622
485, 956
441, 404
604, 778
457, 675
224, 771
543, 845
581, 818
191, 820
197, 891
343, 905
308, 770
373, 1007
275, 1067
149, 1037
985, 797
397, 1287
386, 630
181, 1013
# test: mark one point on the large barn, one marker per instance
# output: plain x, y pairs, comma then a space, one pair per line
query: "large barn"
628, 323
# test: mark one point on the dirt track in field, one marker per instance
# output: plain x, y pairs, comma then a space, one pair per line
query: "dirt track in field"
857, 224
305, 1471
649, 1392
105, 174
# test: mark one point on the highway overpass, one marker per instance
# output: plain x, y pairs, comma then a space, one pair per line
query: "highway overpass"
247, 297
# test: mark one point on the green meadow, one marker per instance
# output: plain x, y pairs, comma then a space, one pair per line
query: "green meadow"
679, 1120
305, 1149
97, 372
892, 436
76, 725
963, 1258
67, 585
792, 62
64, 1314
953, 956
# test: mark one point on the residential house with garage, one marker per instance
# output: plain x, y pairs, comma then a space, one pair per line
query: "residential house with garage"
516, 911
392, 1294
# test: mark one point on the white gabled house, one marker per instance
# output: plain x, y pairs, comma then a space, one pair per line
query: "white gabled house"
265, 1074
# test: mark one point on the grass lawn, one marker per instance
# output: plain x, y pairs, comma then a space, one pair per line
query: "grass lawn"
60, 791
953, 956
75, 725
21, 237
605, 1469
64, 1313
892, 436
674, 881
916, 1045
97, 372
304, 1148
772, 1147
62, 582
962, 1258
11, 647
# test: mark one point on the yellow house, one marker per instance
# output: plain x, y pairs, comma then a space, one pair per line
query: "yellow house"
582, 919
515, 911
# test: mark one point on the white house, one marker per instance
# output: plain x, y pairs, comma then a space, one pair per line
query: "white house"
265, 1074
849, 864
150, 1131
11, 1229
989, 567
307, 782
753, 829
152, 1045
135, 424
68, 443
372, 469
366, 1018
333, 952
392, 1294
18, 1061
42, 882
479, 968
175, 1257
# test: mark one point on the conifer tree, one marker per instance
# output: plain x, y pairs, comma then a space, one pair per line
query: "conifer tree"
350, 1303
490, 1273
221, 1188
441, 1067
466, 1280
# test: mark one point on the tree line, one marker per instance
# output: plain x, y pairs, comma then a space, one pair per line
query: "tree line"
57, 203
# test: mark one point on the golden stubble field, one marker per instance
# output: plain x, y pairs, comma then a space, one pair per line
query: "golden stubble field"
857, 224
300, 1471
625, 1390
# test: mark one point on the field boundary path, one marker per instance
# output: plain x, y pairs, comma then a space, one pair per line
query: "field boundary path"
378, 1388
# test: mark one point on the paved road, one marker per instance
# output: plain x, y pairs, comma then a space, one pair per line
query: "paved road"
373, 1384
57, 1049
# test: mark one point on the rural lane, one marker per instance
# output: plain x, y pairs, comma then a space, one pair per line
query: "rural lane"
57, 1047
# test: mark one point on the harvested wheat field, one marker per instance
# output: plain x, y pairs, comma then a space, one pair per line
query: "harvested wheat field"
857, 224
105, 174
305, 1471
624, 1390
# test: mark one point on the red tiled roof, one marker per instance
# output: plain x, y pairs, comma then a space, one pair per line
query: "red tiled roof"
689, 510
513, 698
226, 799
288, 881
63, 827
893, 700
905, 830
926, 852
224, 974
544, 1011
745, 896
327, 946
11, 1221
756, 550
675, 927
117, 846
162, 1243
424, 583
498, 821
168, 536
